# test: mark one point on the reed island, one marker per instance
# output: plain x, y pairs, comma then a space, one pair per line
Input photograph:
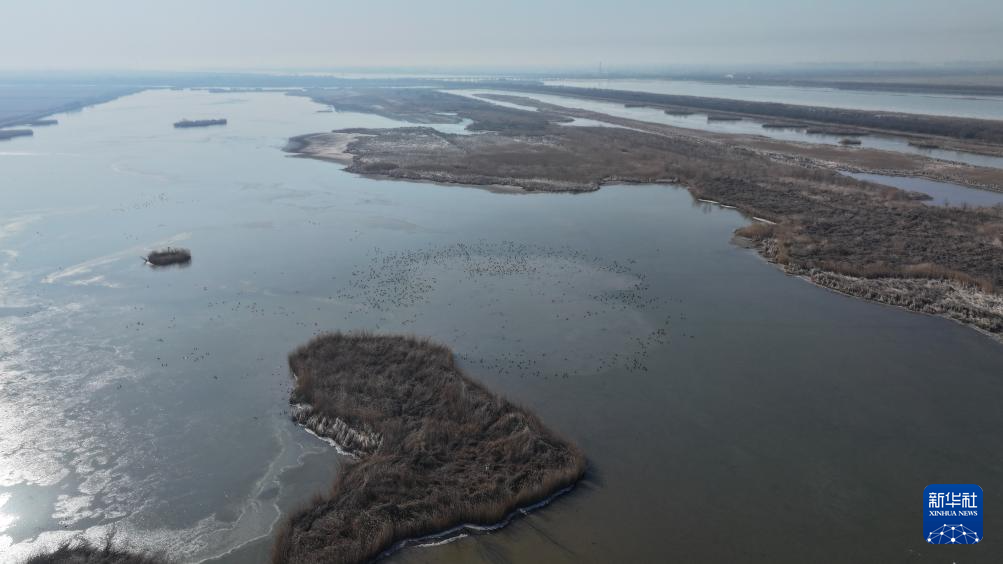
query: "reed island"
169, 256
436, 450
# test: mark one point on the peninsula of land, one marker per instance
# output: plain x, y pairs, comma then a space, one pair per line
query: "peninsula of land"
436, 450
863, 239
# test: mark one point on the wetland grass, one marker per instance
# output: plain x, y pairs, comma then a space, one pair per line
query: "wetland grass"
169, 256
436, 450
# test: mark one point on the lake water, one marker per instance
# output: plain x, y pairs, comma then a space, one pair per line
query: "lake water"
729, 412
741, 127
982, 107
942, 193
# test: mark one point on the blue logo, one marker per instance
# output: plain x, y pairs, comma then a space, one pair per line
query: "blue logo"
952, 514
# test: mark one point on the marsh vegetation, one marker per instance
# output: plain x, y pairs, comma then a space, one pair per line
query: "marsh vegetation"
825, 222
436, 449
169, 256
986, 131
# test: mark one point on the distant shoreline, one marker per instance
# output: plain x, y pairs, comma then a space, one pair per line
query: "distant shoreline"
438, 453
959, 129
847, 235
39, 117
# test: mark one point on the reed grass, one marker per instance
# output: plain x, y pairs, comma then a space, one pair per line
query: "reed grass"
168, 256
450, 452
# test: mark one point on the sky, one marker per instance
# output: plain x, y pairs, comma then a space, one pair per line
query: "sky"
327, 34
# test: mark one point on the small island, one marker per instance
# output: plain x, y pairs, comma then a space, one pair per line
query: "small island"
169, 256
437, 450
198, 123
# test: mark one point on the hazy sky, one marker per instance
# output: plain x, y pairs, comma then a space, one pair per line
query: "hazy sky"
270, 34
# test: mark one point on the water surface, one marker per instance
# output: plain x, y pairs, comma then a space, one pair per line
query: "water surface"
729, 413
942, 193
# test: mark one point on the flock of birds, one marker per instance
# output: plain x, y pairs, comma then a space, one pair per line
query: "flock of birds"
516, 309
567, 290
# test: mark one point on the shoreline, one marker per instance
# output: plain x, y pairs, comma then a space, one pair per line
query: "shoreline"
988, 132
438, 538
813, 278
468, 529
802, 153
948, 299
941, 170
437, 452
336, 150
936, 296
42, 117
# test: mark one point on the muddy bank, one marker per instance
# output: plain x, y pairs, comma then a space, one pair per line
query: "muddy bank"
323, 146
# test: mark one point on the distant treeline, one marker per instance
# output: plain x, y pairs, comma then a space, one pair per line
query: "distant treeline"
960, 128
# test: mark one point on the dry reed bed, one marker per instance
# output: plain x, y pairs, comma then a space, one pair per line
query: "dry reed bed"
440, 450
825, 223
169, 256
